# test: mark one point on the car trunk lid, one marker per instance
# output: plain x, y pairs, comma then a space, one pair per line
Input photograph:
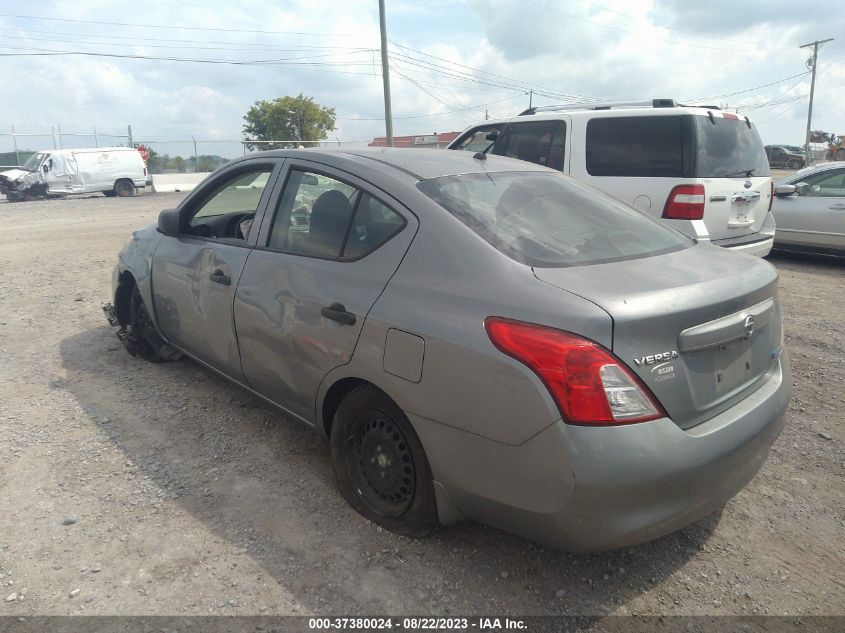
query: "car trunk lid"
700, 328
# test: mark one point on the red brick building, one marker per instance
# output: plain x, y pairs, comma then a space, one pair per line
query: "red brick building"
422, 140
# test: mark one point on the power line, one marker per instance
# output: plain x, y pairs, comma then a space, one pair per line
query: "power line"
261, 46
754, 106
425, 116
770, 104
495, 76
202, 48
739, 92
164, 26
284, 61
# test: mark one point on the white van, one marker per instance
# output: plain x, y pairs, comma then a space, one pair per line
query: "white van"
701, 170
116, 171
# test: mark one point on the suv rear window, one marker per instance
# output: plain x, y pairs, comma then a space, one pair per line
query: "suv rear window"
642, 146
550, 220
728, 147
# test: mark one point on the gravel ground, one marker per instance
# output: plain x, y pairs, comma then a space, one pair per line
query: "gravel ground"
131, 488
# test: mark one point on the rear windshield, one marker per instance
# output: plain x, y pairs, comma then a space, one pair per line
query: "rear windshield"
674, 146
550, 220
728, 147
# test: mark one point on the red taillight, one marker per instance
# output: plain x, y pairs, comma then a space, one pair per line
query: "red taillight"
771, 194
728, 115
588, 384
685, 202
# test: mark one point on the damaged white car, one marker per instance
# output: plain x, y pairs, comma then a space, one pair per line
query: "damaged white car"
115, 171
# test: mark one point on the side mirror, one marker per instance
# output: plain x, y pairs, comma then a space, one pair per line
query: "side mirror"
802, 189
781, 191
168, 222
492, 136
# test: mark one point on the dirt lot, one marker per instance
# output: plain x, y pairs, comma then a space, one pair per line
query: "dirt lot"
130, 488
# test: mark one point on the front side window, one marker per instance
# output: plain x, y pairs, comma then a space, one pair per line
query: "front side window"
827, 184
229, 210
480, 139
33, 161
321, 216
240, 194
549, 220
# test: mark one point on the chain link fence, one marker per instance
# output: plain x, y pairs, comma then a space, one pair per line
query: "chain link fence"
167, 155
17, 145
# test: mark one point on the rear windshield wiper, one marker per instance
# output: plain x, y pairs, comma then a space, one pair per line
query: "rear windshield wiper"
747, 172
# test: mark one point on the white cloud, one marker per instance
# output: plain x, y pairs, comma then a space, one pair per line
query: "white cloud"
617, 50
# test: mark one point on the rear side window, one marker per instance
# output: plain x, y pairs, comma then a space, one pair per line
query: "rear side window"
539, 142
545, 219
643, 146
321, 216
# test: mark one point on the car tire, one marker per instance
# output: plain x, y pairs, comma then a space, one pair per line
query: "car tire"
140, 337
381, 468
794, 164
111, 193
124, 188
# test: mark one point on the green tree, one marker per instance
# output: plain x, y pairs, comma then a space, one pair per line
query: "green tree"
154, 161
291, 119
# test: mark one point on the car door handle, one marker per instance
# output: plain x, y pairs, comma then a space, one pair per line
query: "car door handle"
337, 312
219, 277
838, 205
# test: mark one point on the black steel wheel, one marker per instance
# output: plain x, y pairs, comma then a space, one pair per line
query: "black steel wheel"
794, 164
381, 467
124, 188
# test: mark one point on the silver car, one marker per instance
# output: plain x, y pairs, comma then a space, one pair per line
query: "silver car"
479, 337
809, 210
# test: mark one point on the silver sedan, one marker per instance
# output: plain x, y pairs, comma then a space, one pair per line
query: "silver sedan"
478, 337
809, 210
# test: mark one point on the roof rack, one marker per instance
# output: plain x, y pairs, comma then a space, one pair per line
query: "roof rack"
652, 103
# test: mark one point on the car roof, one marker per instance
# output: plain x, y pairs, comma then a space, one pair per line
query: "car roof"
420, 163
819, 167
589, 112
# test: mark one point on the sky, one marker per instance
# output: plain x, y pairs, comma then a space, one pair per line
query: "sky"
92, 64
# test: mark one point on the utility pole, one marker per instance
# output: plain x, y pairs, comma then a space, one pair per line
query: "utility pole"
815, 46
385, 74
196, 158
530, 97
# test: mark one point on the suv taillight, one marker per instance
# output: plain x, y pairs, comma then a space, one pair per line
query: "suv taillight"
685, 202
588, 384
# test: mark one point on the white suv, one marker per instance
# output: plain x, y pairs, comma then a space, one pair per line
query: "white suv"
701, 170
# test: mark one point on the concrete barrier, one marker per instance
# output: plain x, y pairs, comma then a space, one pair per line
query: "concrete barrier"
177, 182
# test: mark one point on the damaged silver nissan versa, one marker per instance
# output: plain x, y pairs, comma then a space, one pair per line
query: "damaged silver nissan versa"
479, 337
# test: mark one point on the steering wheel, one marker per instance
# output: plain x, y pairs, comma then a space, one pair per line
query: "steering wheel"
202, 230
233, 228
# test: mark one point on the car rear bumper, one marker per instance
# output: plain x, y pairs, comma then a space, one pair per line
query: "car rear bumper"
759, 244
591, 488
